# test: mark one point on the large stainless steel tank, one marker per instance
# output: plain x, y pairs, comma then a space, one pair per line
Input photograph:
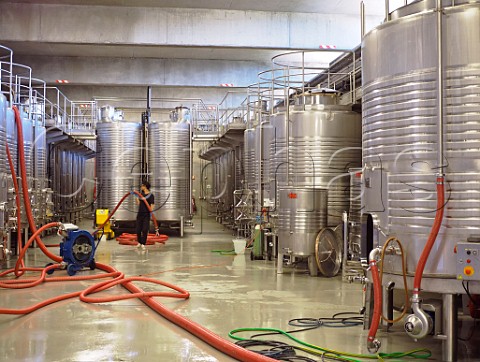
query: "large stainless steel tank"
355, 214
118, 166
40, 155
250, 158
3, 160
169, 159
239, 167
302, 214
400, 134
324, 142
11, 128
27, 130
278, 156
264, 140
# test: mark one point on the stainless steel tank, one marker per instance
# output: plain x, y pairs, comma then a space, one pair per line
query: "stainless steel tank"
324, 142
302, 214
118, 166
169, 160
355, 214
39, 182
3, 161
278, 156
400, 134
11, 128
239, 167
264, 140
27, 130
250, 158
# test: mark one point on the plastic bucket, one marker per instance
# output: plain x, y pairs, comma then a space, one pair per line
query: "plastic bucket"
239, 245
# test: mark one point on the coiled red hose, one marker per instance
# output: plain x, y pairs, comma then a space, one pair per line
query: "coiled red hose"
197, 330
131, 239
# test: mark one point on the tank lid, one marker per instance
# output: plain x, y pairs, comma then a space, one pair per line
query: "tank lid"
322, 96
420, 6
180, 115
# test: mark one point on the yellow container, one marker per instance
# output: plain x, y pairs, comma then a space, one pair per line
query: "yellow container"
101, 215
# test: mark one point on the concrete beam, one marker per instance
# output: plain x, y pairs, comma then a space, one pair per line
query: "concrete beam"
172, 26
144, 71
168, 97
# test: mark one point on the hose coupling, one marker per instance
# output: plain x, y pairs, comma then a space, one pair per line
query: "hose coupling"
373, 345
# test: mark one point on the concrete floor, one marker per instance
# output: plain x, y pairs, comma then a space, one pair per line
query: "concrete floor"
227, 292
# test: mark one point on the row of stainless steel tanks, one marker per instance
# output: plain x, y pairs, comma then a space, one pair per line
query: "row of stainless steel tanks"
298, 161
121, 168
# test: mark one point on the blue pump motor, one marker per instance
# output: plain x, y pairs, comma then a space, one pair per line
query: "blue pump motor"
78, 250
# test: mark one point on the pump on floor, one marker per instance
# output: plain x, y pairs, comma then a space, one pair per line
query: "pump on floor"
77, 249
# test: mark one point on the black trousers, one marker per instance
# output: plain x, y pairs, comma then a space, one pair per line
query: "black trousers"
142, 227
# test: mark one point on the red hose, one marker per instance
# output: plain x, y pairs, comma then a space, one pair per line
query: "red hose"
140, 196
118, 205
112, 213
433, 235
131, 239
197, 330
377, 301
26, 198
17, 202
40, 243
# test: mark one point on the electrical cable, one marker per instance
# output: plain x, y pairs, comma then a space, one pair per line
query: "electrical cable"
404, 273
420, 353
306, 324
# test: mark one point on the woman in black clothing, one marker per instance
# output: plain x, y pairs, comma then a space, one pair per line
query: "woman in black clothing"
143, 215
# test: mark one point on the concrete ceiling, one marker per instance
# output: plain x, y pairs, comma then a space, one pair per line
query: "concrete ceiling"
277, 12
352, 7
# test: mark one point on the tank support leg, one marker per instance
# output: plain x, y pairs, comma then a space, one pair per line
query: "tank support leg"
279, 263
388, 304
182, 226
312, 266
450, 325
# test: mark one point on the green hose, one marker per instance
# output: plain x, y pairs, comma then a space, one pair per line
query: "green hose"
224, 252
420, 353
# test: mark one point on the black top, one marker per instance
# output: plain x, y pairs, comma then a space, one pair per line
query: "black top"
142, 208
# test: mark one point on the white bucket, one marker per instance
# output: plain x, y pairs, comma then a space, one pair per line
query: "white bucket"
239, 245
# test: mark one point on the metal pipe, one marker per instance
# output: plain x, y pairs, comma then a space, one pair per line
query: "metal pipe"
287, 136
440, 86
190, 152
388, 305
362, 19
449, 345
345, 244
387, 10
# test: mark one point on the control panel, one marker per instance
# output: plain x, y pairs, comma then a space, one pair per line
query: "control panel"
468, 261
